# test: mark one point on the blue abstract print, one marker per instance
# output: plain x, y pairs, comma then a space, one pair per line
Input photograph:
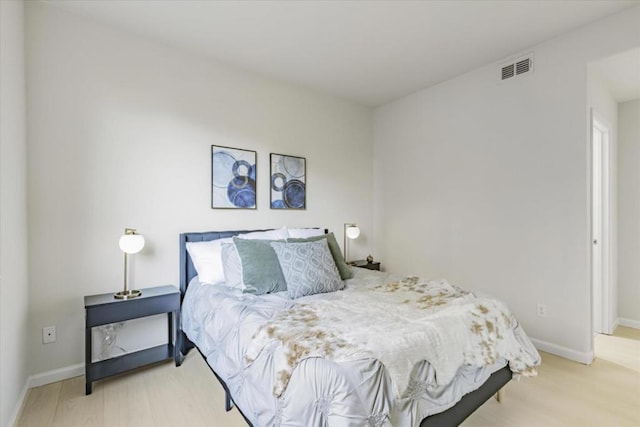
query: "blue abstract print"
288, 182
233, 178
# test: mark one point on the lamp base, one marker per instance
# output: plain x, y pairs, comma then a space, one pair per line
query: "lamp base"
127, 294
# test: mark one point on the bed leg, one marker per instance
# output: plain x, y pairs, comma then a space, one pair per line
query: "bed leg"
500, 395
228, 403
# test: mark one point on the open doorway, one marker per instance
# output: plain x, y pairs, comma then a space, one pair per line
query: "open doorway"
622, 346
614, 101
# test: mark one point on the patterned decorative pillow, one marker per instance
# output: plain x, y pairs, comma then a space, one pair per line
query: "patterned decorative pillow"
308, 268
343, 267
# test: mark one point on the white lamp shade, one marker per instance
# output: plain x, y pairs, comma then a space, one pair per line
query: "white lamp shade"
131, 243
353, 232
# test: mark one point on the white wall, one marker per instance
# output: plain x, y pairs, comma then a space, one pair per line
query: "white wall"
486, 183
629, 212
13, 212
120, 130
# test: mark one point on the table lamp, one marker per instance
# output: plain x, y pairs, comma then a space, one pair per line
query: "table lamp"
351, 232
130, 243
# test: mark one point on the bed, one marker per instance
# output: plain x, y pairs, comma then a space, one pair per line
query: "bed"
354, 390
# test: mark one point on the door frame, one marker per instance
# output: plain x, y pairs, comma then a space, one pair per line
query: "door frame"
603, 295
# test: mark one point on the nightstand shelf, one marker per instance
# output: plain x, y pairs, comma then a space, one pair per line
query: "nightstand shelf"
105, 309
126, 362
375, 265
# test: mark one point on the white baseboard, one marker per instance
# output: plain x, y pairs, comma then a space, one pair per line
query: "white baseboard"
56, 375
567, 353
44, 378
19, 404
630, 323
616, 322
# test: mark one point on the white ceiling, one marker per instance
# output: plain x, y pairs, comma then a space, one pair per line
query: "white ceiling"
370, 52
621, 75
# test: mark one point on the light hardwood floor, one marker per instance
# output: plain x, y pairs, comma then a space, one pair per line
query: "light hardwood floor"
565, 393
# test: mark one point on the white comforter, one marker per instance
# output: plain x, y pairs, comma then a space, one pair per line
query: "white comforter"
385, 351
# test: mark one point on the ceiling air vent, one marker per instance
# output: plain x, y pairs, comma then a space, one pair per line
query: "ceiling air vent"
512, 68
507, 71
523, 66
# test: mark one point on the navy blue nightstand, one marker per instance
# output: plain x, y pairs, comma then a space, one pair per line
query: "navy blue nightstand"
104, 309
375, 265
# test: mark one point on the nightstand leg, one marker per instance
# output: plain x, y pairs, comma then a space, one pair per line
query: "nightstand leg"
177, 349
87, 358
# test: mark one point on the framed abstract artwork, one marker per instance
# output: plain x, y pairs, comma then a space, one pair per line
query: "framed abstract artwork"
288, 182
233, 178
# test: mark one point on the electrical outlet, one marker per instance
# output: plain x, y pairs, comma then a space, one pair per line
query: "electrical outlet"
542, 310
48, 334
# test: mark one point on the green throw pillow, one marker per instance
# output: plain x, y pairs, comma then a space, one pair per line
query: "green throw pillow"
261, 272
336, 253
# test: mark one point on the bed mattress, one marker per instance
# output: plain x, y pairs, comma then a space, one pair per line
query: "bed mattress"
225, 324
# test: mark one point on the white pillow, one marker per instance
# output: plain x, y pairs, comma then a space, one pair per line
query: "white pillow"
303, 233
279, 234
207, 259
